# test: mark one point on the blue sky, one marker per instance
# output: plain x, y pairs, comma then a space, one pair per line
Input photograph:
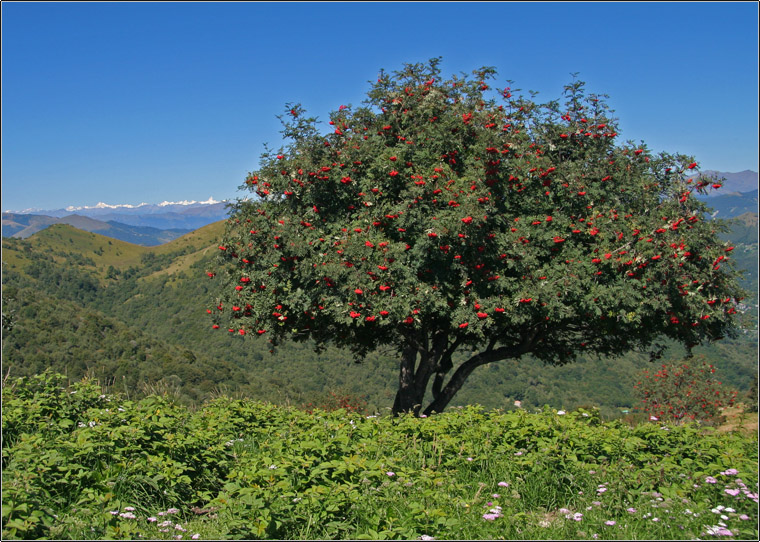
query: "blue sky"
145, 102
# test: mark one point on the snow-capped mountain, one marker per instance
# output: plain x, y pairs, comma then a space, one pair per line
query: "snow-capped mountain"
188, 215
142, 207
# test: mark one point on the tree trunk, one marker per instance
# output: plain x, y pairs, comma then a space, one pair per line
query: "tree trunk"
407, 399
435, 359
414, 376
442, 396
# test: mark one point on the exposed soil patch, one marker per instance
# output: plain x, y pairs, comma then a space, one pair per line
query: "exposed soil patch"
737, 418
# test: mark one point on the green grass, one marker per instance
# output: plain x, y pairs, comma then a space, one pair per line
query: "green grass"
61, 241
79, 464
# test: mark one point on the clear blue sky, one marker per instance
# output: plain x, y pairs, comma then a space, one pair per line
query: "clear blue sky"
132, 102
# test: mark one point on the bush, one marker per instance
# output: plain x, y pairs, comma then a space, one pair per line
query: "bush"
681, 391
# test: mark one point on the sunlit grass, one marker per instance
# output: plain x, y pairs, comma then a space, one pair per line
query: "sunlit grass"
80, 464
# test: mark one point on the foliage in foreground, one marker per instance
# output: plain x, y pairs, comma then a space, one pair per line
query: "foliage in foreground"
79, 464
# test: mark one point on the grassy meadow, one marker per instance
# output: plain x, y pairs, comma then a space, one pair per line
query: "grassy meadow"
82, 464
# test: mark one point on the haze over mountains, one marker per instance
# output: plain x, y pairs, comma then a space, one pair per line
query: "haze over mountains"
742, 181
144, 224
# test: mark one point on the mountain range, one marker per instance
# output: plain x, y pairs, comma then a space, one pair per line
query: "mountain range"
736, 196
144, 224
742, 181
187, 215
154, 224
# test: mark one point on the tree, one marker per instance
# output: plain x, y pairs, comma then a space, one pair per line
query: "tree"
447, 216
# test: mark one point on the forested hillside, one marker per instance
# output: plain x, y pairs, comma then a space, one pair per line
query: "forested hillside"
135, 318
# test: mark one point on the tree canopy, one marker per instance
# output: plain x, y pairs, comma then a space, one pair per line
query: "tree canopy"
447, 216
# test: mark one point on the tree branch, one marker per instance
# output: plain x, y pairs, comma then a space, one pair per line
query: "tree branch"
490, 355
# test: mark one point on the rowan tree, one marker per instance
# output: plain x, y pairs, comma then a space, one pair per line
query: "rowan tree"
447, 216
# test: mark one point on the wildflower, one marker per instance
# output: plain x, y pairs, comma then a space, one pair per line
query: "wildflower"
495, 495
503, 484
272, 467
114, 512
609, 522
166, 523
596, 503
172, 511
518, 453
180, 528
127, 515
426, 537
577, 516
733, 492
469, 459
561, 412
744, 517
601, 490
563, 511
490, 517
730, 472
710, 480
630, 510
718, 530
196, 536
653, 418
152, 519
389, 473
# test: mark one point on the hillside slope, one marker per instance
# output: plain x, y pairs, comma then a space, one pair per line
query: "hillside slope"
23, 226
61, 281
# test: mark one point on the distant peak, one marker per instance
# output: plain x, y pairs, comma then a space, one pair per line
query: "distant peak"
209, 201
102, 205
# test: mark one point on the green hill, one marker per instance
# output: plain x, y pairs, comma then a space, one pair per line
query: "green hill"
23, 226
135, 318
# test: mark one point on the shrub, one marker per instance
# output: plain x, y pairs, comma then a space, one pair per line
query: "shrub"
681, 391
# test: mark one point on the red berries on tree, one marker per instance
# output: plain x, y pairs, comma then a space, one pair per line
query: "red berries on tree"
506, 228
